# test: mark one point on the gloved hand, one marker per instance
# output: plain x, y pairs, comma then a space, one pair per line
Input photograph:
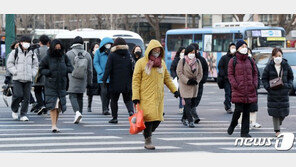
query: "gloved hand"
177, 94
192, 82
136, 101
7, 80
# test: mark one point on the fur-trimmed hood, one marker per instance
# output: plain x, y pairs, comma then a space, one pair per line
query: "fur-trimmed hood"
119, 47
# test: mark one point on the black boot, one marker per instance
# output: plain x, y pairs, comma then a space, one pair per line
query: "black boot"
246, 135
113, 121
230, 130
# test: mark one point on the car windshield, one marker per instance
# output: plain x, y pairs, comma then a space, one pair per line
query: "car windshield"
291, 57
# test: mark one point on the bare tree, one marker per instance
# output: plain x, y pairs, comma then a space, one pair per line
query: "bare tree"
129, 21
288, 25
239, 17
154, 20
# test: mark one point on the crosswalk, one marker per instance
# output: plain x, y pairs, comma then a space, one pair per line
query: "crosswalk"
94, 134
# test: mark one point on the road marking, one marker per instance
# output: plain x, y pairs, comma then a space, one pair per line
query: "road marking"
200, 132
165, 123
63, 129
197, 138
162, 127
44, 134
28, 125
89, 149
219, 143
254, 148
59, 138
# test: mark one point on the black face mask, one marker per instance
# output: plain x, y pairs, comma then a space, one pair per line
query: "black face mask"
58, 52
138, 53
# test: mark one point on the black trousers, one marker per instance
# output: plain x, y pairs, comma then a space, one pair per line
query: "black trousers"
150, 127
245, 108
21, 94
39, 94
188, 112
227, 89
127, 98
105, 96
198, 99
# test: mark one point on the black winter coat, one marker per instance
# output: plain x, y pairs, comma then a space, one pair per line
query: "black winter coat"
55, 69
205, 68
119, 68
278, 100
94, 88
174, 65
223, 66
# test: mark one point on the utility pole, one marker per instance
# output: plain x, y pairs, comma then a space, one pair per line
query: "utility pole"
9, 32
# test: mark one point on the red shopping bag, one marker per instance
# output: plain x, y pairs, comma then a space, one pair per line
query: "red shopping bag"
136, 121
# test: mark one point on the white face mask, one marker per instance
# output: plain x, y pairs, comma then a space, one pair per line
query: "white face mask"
232, 51
278, 60
25, 45
250, 55
108, 46
243, 51
181, 55
155, 54
191, 55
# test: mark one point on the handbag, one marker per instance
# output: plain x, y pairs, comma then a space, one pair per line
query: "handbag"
277, 82
137, 121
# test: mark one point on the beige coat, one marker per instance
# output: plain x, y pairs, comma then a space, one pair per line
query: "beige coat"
185, 73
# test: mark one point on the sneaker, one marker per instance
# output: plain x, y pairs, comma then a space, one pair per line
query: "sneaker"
277, 134
246, 135
229, 111
113, 121
191, 125
24, 118
196, 120
89, 109
181, 110
77, 118
184, 122
34, 107
106, 112
14, 116
41, 110
255, 125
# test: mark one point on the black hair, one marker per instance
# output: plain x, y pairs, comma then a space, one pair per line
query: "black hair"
53, 44
92, 46
25, 39
179, 51
231, 44
195, 45
44, 39
78, 40
133, 50
35, 41
13, 45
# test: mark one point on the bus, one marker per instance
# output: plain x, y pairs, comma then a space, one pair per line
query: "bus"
51, 33
213, 42
91, 35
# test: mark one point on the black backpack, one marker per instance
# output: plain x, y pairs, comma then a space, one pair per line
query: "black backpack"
16, 54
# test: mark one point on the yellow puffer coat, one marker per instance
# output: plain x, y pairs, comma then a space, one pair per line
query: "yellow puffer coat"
149, 88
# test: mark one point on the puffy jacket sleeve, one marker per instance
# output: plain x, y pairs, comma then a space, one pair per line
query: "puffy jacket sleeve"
35, 65
11, 63
205, 70
290, 78
180, 69
255, 74
68, 64
168, 81
231, 74
89, 70
200, 72
221, 67
265, 77
108, 68
137, 79
173, 67
44, 67
96, 63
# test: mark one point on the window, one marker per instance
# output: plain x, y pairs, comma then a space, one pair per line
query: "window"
206, 20
198, 40
263, 58
237, 36
174, 42
263, 17
221, 42
227, 17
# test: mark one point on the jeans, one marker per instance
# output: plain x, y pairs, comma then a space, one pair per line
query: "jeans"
188, 109
245, 109
39, 94
105, 97
76, 100
21, 94
150, 127
227, 89
127, 98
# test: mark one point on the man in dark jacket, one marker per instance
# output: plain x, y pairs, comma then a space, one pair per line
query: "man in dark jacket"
223, 76
205, 70
243, 77
119, 68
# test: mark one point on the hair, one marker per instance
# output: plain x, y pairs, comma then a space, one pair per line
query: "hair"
179, 51
13, 45
92, 46
77, 40
35, 41
196, 46
231, 44
44, 39
135, 48
53, 44
275, 51
25, 39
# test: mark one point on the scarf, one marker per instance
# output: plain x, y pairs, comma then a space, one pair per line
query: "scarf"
153, 62
191, 62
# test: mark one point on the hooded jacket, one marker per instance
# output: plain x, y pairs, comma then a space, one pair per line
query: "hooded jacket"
100, 59
149, 88
24, 68
243, 79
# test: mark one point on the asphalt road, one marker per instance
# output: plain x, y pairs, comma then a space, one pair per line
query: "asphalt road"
95, 135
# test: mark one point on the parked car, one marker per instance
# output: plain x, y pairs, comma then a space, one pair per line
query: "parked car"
262, 57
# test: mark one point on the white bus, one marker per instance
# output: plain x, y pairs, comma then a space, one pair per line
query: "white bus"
51, 33
91, 35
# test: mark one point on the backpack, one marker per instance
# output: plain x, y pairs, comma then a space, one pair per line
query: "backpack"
16, 55
80, 65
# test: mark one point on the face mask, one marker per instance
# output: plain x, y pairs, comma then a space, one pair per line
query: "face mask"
108, 46
26, 45
58, 52
278, 60
244, 51
250, 55
181, 55
232, 51
191, 55
155, 54
138, 53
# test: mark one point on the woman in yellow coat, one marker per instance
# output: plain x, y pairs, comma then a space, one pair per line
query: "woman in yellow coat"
149, 77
